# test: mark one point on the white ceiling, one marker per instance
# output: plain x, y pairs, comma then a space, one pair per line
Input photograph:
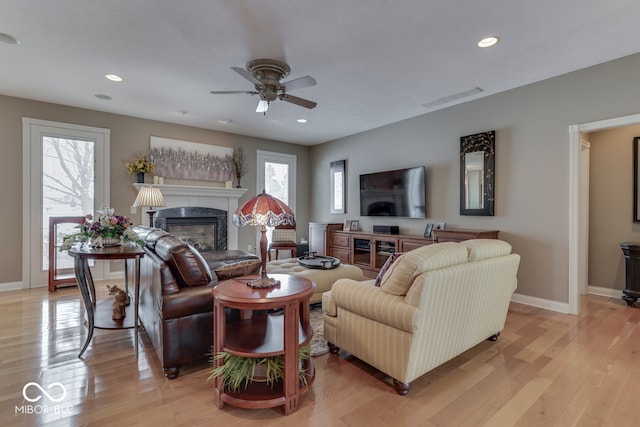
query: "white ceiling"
376, 62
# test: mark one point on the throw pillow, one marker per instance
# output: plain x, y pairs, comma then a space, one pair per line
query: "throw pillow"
236, 269
394, 256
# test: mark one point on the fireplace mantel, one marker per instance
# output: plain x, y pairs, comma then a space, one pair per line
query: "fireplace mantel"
176, 196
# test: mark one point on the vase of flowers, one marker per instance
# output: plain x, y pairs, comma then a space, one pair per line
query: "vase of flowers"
107, 229
140, 166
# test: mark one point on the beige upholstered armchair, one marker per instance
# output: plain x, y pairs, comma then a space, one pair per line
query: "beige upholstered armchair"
432, 304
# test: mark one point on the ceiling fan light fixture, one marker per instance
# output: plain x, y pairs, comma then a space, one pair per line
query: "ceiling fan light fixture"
263, 106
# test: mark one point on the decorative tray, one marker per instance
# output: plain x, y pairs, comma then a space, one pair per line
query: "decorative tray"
311, 260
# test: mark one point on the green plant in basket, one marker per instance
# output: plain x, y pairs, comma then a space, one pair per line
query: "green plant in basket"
236, 370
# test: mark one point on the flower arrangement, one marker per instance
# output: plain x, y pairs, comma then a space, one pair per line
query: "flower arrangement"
107, 225
140, 165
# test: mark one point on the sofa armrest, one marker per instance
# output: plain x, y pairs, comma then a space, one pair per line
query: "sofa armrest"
371, 302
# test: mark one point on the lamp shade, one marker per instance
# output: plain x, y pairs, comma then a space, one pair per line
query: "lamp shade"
149, 196
263, 209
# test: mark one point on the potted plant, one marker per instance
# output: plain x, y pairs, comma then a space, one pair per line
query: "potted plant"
140, 166
107, 229
236, 370
240, 167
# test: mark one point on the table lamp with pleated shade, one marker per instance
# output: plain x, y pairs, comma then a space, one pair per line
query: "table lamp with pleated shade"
149, 196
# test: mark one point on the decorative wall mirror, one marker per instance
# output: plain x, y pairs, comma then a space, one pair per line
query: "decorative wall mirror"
636, 179
337, 189
477, 173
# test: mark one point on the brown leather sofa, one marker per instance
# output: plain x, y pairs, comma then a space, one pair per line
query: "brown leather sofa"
176, 304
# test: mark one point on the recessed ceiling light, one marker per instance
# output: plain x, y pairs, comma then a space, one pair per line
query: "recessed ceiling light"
181, 113
114, 77
6, 38
301, 120
488, 41
102, 96
225, 121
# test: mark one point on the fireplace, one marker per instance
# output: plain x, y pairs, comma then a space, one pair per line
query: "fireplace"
204, 228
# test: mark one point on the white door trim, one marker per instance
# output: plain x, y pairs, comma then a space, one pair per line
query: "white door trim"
29, 128
578, 216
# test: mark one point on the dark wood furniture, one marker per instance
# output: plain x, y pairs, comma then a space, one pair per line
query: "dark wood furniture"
58, 227
631, 252
263, 334
460, 234
370, 251
99, 312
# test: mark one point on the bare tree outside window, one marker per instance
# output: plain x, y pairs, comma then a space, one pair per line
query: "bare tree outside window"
67, 181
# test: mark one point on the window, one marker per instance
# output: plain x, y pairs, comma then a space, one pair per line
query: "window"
277, 176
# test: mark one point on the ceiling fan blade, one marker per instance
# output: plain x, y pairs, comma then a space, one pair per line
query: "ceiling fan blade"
298, 101
299, 83
228, 92
247, 75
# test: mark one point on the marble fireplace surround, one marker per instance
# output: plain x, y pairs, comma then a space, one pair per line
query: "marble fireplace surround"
176, 196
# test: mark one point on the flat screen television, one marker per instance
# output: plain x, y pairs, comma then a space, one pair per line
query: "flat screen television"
399, 193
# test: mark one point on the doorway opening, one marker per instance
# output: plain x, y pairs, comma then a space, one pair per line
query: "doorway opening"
578, 199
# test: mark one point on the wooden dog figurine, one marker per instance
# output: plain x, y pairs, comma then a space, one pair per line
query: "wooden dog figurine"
119, 305
115, 289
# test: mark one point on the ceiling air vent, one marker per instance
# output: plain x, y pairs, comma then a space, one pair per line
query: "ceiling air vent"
451, 98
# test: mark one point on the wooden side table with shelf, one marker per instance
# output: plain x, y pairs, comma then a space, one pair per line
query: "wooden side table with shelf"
262, 334
99, 312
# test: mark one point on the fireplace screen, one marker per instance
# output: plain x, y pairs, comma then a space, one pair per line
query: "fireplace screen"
201, 236
204, 228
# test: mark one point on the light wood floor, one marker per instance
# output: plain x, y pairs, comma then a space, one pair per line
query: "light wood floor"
546, 369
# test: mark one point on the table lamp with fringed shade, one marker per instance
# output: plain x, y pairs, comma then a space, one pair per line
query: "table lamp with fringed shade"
149, 196
263, 210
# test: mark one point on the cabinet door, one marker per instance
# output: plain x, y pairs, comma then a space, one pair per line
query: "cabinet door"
362, 251
382, 250
342, 254
340, 239
409, 245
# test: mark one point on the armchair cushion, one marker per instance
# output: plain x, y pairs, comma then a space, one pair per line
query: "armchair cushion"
480, 249
372, 303
398, 278
186, 263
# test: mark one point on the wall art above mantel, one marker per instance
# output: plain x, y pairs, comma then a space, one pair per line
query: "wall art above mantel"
191, 160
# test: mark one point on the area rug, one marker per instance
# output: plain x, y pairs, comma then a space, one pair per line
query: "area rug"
318, 344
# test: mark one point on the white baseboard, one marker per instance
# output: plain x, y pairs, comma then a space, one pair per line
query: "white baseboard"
561, 307
11, 286
604, 292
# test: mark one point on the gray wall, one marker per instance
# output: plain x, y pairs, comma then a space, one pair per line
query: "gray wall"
610, 204
129, 136
532, 162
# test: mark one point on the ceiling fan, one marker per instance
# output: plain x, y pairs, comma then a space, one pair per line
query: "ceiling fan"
266, 76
